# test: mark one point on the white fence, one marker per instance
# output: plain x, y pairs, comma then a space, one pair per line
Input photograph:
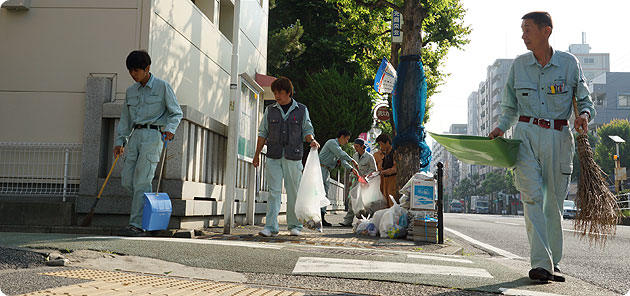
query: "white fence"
624, 201
40, 169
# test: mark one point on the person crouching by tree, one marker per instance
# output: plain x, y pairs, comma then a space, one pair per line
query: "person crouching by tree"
387, 168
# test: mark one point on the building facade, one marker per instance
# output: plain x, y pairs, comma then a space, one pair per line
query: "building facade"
63, 85
611, 95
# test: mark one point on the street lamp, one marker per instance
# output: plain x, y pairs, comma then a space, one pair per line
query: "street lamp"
620, 173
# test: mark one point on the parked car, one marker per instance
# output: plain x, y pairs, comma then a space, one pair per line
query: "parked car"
569, 210
456, 207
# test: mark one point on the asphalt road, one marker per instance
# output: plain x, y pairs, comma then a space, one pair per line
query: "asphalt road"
607, 267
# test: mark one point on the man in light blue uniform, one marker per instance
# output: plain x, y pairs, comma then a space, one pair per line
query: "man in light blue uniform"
284, 127
151, 112
538, 94
366, 166
332, 154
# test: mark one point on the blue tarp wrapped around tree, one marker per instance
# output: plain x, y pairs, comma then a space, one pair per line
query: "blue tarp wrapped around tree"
408, 105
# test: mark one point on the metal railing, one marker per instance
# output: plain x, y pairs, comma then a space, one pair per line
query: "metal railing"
623, 200
40, 169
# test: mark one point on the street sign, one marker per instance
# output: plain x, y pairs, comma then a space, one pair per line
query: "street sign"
382, 113
385, 77
620, 174
397, 22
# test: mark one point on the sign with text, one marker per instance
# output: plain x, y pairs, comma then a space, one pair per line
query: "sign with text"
382, 113
397, 21
385, 77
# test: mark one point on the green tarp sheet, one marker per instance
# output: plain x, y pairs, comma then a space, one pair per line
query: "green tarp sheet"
499, 152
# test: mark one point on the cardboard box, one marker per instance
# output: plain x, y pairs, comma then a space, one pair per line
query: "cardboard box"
422, 193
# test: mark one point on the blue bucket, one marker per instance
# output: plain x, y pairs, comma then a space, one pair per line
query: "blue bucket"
157, 211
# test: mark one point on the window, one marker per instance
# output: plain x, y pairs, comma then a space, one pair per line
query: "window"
623, 100
206, 7
589, 61
247, 122
226, 18
599, 99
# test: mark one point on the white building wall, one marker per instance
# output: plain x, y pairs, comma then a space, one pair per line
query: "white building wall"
48, 51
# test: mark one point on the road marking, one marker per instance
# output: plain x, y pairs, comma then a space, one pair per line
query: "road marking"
190, 241
426, 256
507, 223
573, 230
334, 265
507, 291
501, 252
628, 294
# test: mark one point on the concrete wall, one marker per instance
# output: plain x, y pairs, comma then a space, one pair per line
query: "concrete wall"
195, 57
48, 51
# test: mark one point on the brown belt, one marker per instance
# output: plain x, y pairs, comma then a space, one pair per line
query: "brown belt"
545, 123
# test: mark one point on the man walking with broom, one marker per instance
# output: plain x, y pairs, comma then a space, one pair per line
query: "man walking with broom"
538, 94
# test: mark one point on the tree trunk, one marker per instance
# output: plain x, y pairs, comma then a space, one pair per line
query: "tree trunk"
408, 155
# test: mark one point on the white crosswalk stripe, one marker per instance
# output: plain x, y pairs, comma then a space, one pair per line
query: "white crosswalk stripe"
335, 265
431, 257
507, 291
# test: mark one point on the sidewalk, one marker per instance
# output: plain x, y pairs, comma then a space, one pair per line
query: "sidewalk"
336, 236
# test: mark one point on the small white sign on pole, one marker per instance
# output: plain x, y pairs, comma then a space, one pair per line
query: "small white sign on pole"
397, 21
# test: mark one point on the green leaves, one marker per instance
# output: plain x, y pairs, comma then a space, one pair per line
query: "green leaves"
605, 148
337, 100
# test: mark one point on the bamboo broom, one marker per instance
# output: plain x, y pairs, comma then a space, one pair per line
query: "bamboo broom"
597, 209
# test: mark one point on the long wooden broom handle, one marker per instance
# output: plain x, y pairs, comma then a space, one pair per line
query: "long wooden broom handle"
106, 179
575, 111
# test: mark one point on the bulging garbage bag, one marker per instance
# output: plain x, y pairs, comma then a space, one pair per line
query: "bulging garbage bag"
367, 198
311, 195
393, 224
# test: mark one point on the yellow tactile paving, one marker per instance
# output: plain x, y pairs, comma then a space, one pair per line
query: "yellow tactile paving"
121, 283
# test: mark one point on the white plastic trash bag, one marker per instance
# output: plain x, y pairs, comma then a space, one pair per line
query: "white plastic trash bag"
368, 198
311, 195
391, 225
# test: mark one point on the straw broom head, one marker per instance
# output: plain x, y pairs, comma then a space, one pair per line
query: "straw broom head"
597, 214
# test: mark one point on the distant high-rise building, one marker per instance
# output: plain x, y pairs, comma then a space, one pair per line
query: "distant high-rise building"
593, 64
490, 94
611, 97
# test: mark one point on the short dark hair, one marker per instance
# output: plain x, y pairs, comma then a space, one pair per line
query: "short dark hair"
384, 138
343, 132
138, 59
540, 18
282, 83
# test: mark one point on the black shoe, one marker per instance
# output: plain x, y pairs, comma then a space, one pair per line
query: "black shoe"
326, 223
132, 231
556, 269
544, 276
345, 224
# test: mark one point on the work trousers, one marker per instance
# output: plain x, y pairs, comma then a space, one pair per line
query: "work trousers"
142, 155
542, 174
291, 172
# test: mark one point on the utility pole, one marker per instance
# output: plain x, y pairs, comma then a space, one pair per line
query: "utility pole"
233, 128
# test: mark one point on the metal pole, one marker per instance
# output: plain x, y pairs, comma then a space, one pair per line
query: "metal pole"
440, 172
65, 174
233, 128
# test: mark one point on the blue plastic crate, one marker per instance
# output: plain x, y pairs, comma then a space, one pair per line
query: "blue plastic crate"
157, 211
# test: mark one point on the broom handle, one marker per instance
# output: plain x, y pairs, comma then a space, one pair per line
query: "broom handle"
107, 178
157, 189
575, 111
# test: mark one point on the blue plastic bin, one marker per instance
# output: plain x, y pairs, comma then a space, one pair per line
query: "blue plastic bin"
157, 211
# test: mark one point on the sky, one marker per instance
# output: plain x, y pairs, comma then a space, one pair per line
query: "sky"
496, 34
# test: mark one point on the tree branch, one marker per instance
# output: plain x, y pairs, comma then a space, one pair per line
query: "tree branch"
379, 3
386, 32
